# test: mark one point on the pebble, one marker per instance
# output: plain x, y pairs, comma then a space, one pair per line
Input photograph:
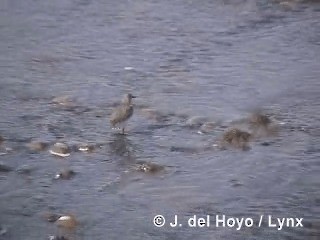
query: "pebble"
60, 149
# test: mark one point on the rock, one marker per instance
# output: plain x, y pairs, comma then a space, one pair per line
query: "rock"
3, 230
259, 120
60, 149
51, 217
196, 121
207, 127
237, 138
39, 198
148, 167
63, 101
36, 146
24, 169
4, 167
185, 149
265, 144
153, 114
235, 183
287, 5
84, 147
4, 149
99, 114
67, 221
65, 174
57, 238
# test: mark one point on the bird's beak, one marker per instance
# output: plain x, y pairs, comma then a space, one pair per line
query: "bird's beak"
133, 97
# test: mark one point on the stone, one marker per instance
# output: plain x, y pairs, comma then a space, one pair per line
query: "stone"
24, 169
67, 221
196, 121
36, 146
60, 149
236, 138
207, 127
65, 174
149, 167
84, 147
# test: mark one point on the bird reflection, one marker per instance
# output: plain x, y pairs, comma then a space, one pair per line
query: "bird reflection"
121, 146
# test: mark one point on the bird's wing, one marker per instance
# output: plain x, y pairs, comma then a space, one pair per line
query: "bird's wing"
120, 114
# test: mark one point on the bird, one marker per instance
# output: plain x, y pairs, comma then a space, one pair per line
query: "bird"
121, 114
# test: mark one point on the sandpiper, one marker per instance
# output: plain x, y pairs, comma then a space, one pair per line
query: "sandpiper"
120, 115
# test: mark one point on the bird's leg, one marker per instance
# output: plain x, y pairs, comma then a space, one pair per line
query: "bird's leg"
123, 130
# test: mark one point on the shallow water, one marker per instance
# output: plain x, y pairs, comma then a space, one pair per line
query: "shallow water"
218, 59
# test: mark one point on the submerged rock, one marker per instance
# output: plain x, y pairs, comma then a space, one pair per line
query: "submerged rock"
57, 238
153, 114
4, 167
3, 230
84, 147
52, 217
207, 127
60, 149
65, 174
65, 101
263, 126
67, 221
25, 169
36, 146
259, 120
148, 167
265, 144
196, 121
4, 149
